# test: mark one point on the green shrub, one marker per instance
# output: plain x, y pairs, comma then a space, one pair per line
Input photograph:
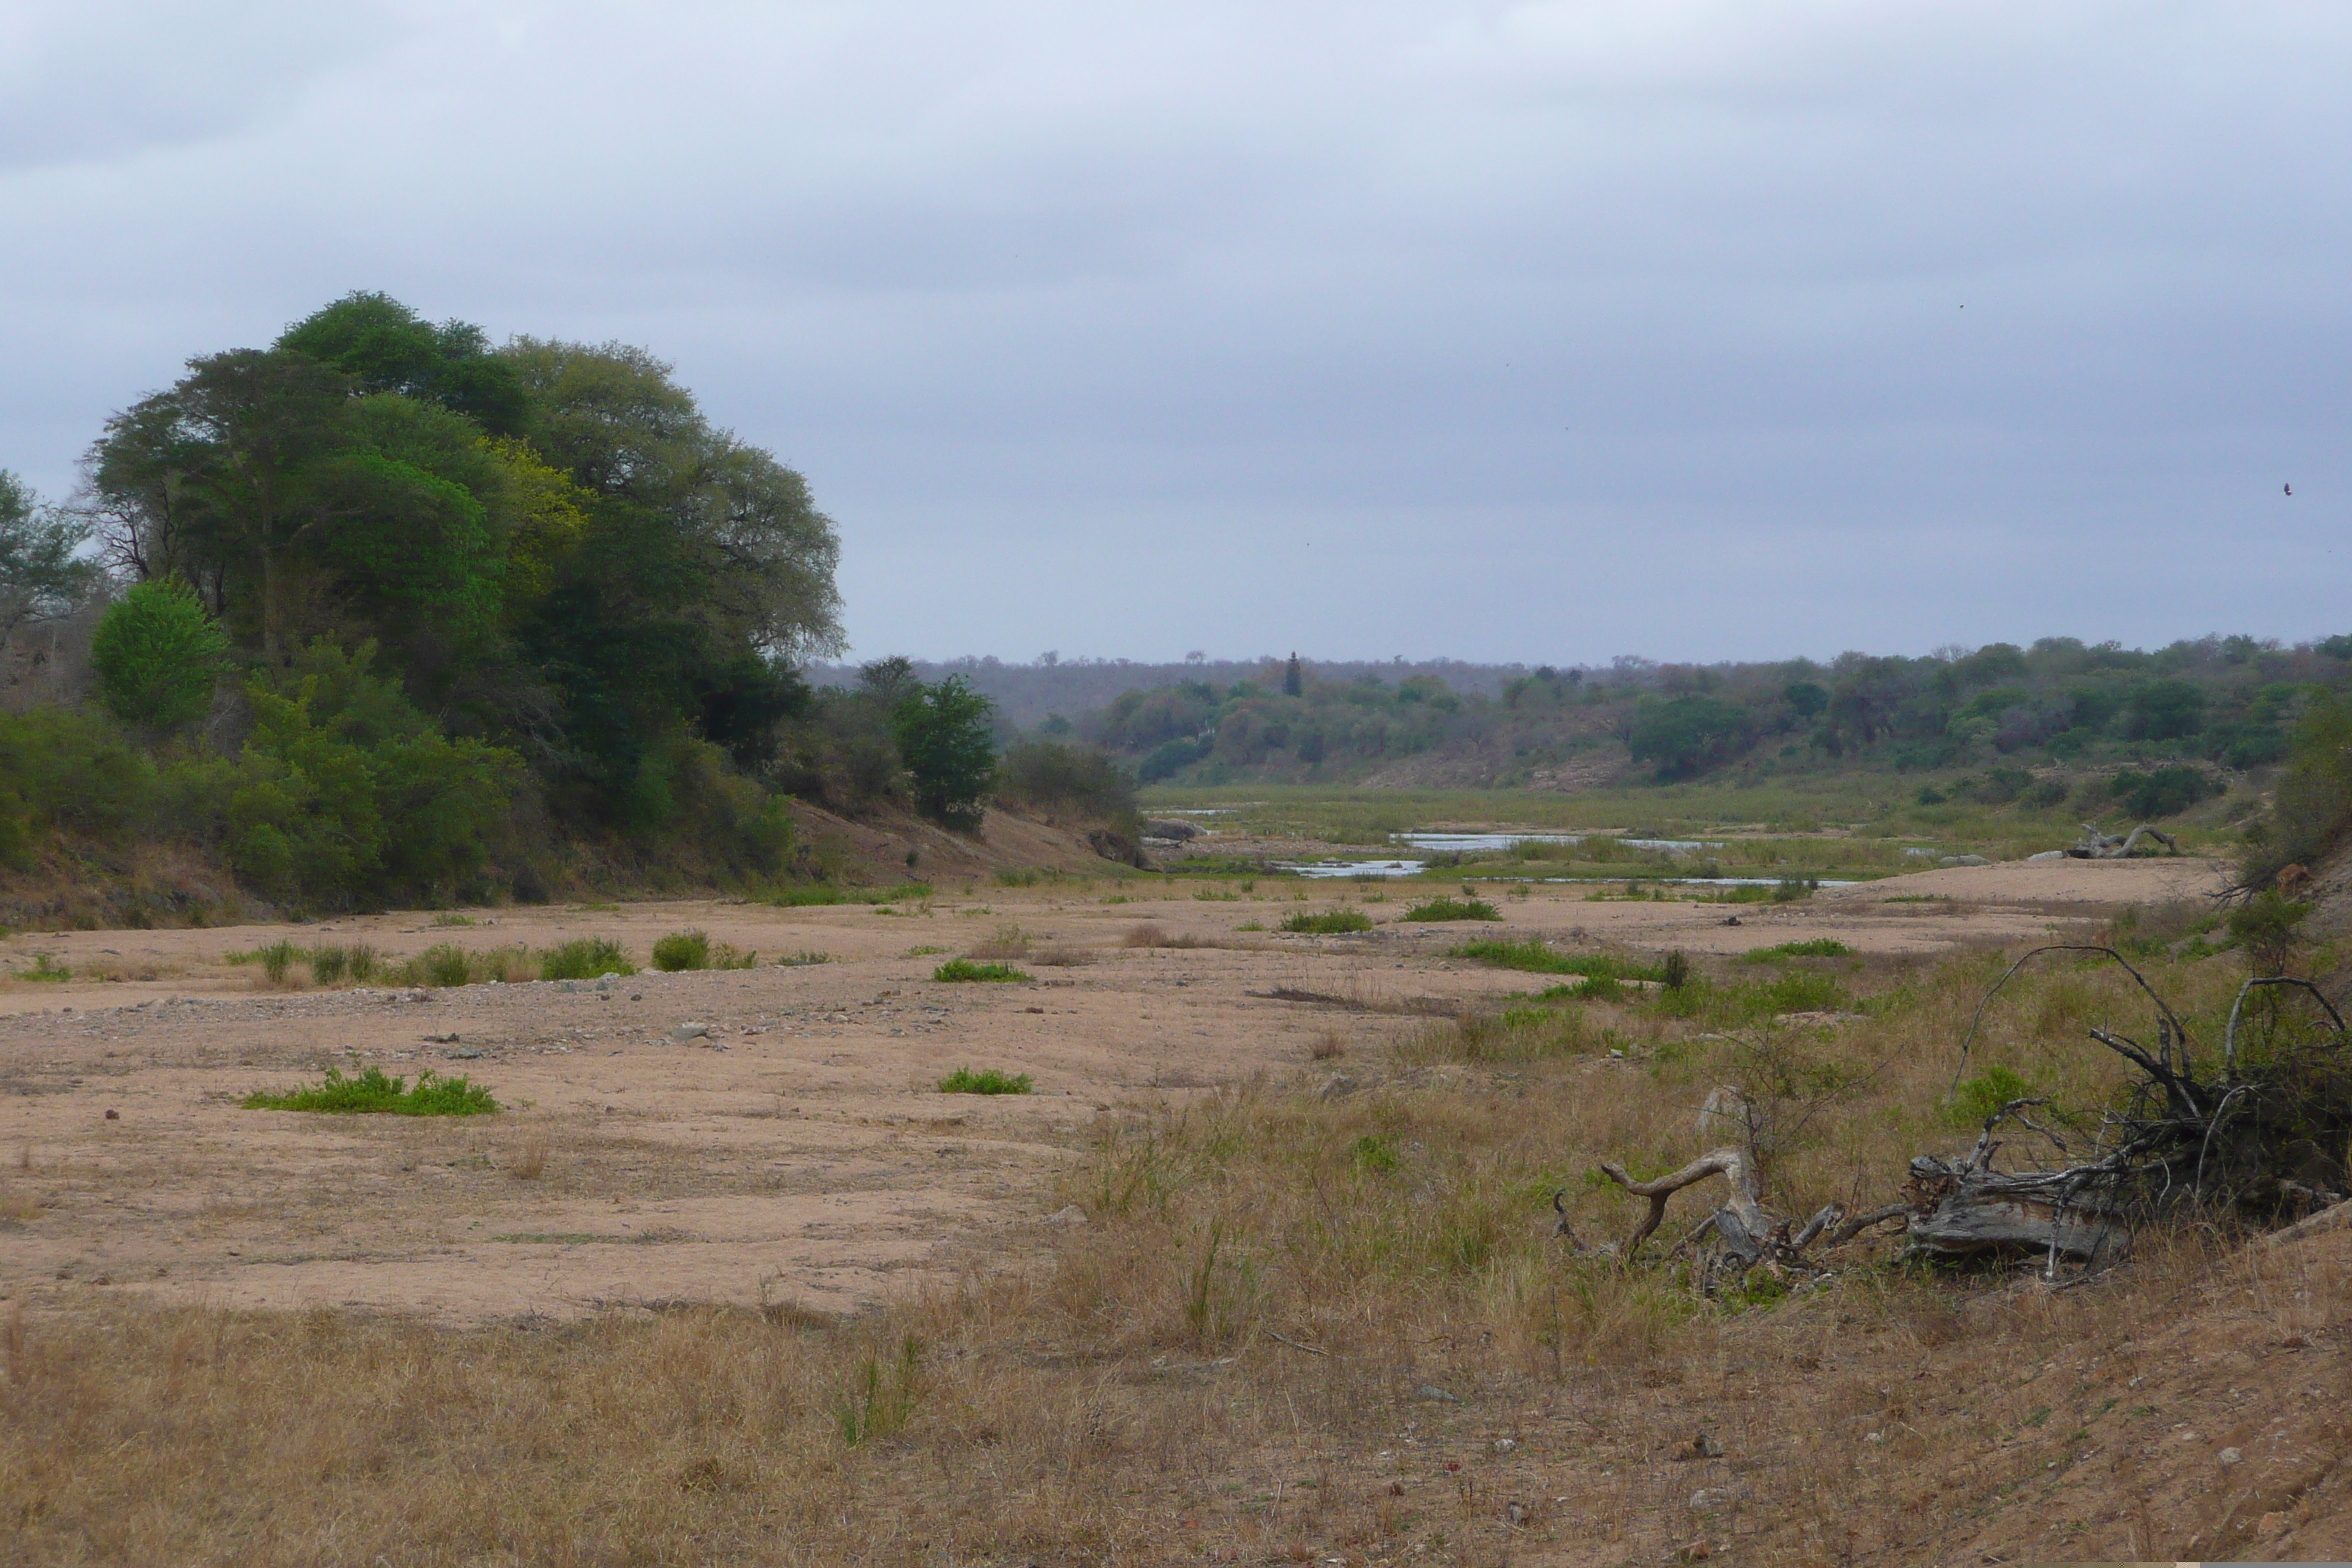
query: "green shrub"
962, 969
1375, 1153
2264, 926
1819, 947
987, 1081
1451, 909
157, 654
371, 1092
1328, 922
584, 958
278, 959
2166, 792
443, 964
44, 970
681, 950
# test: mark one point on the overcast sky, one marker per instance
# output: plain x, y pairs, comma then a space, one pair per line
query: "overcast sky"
1542, 331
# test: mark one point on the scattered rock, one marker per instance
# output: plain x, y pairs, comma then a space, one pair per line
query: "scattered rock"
1709, 1499
1506, 1445
114, 1116
1963, 860
2048, 855
1431, 1391
1339, 1086
462, 1054
448, 1039
1074, 1215
690, 1031
2232, 1458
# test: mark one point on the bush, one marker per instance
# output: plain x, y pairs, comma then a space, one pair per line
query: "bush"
947, 749
682, 950
157, 654
443, 964
374, 1092
1451, 909
2265, 927
988, 1080
1169, 759
1052, 777
1329, 922
963, 969
2166, 792
278, 959
584, 958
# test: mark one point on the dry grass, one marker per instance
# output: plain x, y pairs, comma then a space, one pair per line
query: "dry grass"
1064, 955
530, 1162
1148, 935
1007, 941
1293, 1329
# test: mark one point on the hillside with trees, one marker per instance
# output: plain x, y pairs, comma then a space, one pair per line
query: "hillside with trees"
2163, 726
382, 614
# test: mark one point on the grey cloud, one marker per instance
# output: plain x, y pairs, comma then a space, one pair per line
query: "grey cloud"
1476, 296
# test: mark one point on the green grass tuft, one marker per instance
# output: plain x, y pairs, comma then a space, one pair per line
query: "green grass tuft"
1329, 922
584, 958
1453, 908
956, 969
987, 1081
371, 1092
1819, 947
681, 950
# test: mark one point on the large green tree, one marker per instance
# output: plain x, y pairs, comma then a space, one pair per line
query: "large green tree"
42, 572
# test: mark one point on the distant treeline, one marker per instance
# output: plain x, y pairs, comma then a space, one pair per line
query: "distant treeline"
2218, 702
381, 613
1027, 695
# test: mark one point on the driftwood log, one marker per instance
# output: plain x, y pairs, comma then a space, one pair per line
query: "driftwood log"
2096, 845
2267, 1137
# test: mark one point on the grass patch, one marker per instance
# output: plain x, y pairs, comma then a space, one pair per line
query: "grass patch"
987, 1081
372, 1092
1819, 947
584, 958
1533, 957
681, 950
44, 970
1327, 922
805, 895
1445, 908
962, 969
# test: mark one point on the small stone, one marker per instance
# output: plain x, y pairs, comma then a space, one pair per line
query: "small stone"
114, 1116
2271, 1525
1339, 1086
1431, 1391
1707, 1499
2230, 1458
690, 1031
1506, 1445
1074, 1215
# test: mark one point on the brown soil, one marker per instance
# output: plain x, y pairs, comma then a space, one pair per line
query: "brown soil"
798, 1148
798, 1152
